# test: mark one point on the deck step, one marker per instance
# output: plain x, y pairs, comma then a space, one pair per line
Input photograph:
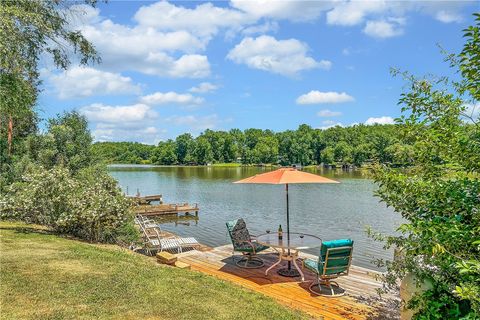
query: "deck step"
166, 258
182, 265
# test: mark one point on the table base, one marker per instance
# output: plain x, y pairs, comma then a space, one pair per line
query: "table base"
285, 272
291, 257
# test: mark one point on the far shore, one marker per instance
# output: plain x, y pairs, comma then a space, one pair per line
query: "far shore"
236, 165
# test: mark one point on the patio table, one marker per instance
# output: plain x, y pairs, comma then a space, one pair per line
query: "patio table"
288, 249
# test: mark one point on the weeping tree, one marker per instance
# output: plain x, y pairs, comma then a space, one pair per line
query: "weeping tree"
30, 30
439, 194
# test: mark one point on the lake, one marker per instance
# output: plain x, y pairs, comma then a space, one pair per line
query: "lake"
329, 211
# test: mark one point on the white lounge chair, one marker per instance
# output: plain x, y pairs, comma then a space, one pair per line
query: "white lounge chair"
156, 241
145, 222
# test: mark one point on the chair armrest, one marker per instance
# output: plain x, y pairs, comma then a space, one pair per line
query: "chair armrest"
250, 243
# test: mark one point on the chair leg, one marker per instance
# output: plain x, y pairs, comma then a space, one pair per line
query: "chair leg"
331, 285
249, 261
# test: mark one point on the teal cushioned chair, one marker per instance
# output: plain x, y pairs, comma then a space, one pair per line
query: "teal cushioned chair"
243, 242
334, 261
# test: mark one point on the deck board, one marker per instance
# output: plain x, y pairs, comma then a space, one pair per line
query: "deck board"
360, 302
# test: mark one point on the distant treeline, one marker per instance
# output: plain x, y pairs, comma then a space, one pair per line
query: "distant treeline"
355, 145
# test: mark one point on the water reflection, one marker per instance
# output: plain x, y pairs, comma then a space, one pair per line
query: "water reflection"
185, 220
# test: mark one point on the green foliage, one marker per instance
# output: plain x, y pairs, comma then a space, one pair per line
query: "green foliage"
28, 30
355, 145
203, 151
122, 152
88, 205
49, 178
438, 194
165, 153
184, 148
66, 142
31, 28
17, 97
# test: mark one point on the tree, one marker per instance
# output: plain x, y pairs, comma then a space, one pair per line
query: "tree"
438, 195
165, 153
265, 151
67, 142
301, 147
353, 145
184, 145
28, 30
328, 155
203, 151
238, 139
17, 117
343, 152
318, 144
361, 153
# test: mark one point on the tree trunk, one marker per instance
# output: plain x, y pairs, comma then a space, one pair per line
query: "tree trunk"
10, 134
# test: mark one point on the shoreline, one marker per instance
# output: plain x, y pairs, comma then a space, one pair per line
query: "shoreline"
231, 165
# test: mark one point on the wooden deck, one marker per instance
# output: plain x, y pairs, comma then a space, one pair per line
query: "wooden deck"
147, 199
360, 302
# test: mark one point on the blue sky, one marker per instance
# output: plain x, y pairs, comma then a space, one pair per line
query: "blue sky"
174, 67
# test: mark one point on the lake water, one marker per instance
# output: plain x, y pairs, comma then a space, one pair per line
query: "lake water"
329, 211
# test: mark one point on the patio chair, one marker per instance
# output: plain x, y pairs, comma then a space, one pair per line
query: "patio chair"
155, 240
334, 261
243, 242
145, 222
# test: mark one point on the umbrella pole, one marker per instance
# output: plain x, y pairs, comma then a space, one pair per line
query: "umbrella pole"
288, 227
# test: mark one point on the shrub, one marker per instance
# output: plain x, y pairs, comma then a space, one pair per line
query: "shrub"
88, 205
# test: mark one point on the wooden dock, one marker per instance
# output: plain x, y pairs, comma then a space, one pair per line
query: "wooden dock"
147, 199
360, 302
167, 209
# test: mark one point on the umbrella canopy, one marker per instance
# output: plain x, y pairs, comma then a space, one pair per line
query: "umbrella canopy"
286, 176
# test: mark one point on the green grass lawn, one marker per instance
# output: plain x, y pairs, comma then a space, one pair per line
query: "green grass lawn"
44, 276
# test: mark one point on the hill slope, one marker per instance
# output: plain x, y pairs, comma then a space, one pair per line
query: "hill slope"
44, 276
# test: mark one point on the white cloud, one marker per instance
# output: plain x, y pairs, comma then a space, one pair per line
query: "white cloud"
160, 64
285, 57
382, 29
197, 123
328, 113
123, 123
204, 87
380, 120
293, 10
354, 12
317, 97
86, 82
99, 112
329, 124
146, 49
269, 26
111, 37
171, 97
205, 20
448, 17
148, 134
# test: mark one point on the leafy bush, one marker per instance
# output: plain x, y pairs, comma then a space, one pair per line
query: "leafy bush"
439, 195
88, 205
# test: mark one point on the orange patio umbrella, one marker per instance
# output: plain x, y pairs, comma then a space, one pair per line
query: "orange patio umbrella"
286, 176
